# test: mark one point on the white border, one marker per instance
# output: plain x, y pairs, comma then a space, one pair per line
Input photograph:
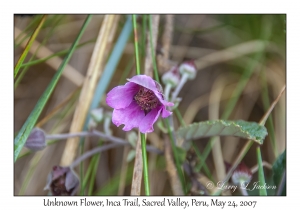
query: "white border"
7, 200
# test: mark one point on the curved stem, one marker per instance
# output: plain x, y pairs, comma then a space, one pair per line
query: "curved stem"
243, 191
167, 91
183, 80
92, 152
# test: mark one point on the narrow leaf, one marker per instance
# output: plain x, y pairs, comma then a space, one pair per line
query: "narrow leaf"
278, 169
31, 120
248, 130
261, 175
26, 50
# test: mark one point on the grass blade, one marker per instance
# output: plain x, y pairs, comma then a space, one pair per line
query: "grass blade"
31, 120
261, 176
278, 169
26, 50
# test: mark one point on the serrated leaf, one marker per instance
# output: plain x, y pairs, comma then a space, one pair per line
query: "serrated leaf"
238, 128
278, 170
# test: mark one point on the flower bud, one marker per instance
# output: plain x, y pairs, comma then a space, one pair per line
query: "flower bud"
189, 68
62, 181
242, 174
97, 114
36, 140
171, 77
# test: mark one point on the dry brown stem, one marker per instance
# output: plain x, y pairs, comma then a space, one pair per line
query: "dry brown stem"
93, 73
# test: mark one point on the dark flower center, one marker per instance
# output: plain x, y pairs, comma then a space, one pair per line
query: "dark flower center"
146, 99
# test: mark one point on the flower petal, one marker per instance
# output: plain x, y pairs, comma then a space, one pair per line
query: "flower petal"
164, 102
146, 125
130, 116
121, 96
165, 113
149, 83
144, 81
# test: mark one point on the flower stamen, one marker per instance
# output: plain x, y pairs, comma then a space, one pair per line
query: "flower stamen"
146, 99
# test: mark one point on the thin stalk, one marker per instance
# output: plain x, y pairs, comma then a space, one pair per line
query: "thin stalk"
99, 134
81, 166
94, 167
183, 80
93, 152
144, 35
26, 50
136, 46
145, 165
168, 88
180, 173
87, 176
152, 51
261, 176
266, 104
143, 139
170, 119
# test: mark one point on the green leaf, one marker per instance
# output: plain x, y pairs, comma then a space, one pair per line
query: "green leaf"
278, 169
32, 118
238, 128
261, 175
28, 46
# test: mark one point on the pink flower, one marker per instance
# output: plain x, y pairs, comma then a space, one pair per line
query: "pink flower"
138, 104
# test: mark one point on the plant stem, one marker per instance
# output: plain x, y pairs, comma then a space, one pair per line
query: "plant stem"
136, 46
183, 80
261, 176
173, 146
98, 134
92, 152
152, 51
243, 191
145, 164
168, 88
143, 139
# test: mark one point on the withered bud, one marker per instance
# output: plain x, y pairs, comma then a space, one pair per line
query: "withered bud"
62, 181
171, 77
242, 174
189, 68
36, 140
